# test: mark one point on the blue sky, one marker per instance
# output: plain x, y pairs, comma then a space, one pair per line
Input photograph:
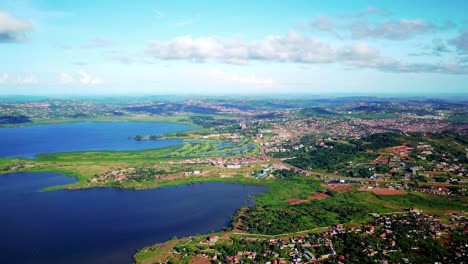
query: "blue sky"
263, 47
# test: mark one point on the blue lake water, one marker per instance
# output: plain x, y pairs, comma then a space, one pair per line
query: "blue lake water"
28, 141
105, 225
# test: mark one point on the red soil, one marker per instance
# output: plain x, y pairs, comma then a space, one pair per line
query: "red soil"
296, 201
318, 196
387, 191
340, 187
199, 260
311, 197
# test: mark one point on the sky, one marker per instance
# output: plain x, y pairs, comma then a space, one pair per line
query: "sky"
231, 47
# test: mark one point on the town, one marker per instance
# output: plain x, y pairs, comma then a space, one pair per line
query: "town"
388, 238
356, 180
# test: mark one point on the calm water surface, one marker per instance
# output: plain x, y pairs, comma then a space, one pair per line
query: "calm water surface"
105, 225
28, 141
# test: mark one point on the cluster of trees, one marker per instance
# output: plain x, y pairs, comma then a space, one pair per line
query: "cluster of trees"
147, 174
329, 158
250, 246
334, 155
290, 218
315, 111
429, 250
209, 122
14, 119
362, 172
285, 174
269, 115
378, 141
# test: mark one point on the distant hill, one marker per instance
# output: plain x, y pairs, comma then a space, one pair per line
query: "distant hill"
314, 111
167, 109
366, 108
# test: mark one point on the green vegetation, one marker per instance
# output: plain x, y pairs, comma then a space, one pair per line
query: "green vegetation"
315, 111
8, 120
197, 148
273, 215
378, 141
459, 118
329, 157
286, 207
371, 116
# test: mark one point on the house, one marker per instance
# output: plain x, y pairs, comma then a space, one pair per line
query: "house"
415, 210
213, 239
309, 254
231, 258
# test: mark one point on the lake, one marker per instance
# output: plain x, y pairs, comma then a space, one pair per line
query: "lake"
27, 141
105, 225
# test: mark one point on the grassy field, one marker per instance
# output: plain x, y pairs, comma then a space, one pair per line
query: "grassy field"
198, 148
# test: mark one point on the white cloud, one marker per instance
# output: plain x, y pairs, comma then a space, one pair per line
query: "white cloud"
86, 78
81, 77
323, 23
358, 54
19, 79
292, 47
27, 80
4, 78
461, 41
65, 78
390, 29
369, 11
360, 25
13, 29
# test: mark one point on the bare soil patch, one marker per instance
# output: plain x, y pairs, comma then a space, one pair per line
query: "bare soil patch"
199, 260
380, 191
296, 201
340, 187
316, 196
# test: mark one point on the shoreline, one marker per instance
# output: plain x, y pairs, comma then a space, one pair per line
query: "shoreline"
158, 119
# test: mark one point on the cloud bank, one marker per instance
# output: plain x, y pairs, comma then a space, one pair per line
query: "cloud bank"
294, 48
81, 77
13, 29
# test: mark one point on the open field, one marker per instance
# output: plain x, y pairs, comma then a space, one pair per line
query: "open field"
318, 196
380, 191
215, 148
340, 187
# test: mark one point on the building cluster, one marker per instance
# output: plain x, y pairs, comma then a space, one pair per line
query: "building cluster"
388, 230
57, 109
224, 162
345, 128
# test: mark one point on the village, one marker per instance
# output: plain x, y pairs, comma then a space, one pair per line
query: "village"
387, 238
